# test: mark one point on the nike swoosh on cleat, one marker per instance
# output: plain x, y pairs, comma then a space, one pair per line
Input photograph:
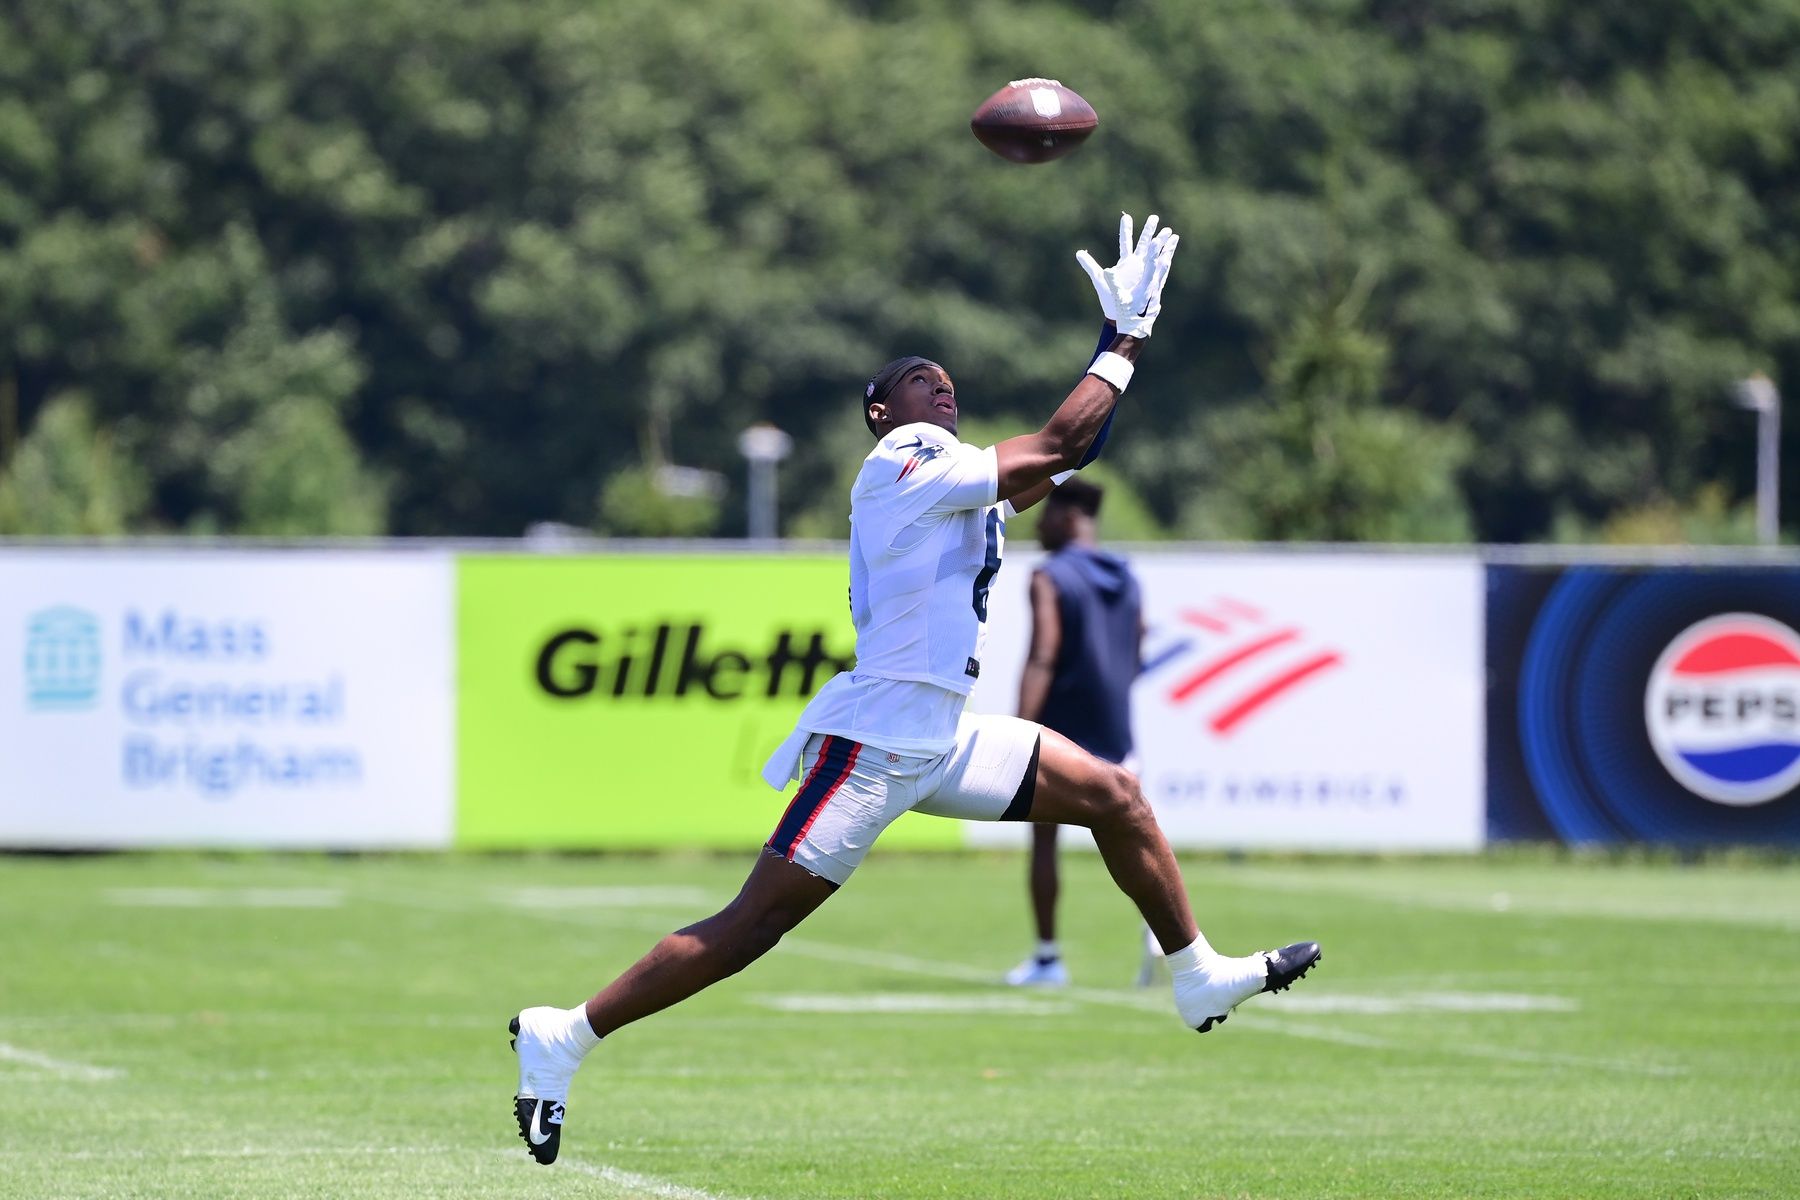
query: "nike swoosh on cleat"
537, 1124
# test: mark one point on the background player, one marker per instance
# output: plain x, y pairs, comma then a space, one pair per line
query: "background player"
1086, 633
927, 528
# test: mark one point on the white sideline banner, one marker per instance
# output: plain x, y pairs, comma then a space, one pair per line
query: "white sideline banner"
225, 698
1304, 701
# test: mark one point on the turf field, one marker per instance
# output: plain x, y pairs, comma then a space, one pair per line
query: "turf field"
335, 1027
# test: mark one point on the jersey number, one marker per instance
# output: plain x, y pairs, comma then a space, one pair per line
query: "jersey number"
990, 567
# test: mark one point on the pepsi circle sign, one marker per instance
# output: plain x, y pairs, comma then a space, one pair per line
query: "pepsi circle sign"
1722, 709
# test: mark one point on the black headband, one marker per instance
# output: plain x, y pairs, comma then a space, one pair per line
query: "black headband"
889, 377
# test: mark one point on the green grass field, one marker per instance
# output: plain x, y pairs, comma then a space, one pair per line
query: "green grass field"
1524, 1025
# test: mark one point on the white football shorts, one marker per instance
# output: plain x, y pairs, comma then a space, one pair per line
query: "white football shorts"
851, 792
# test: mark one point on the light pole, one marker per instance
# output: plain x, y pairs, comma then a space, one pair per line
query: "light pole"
763, 445
1758, 394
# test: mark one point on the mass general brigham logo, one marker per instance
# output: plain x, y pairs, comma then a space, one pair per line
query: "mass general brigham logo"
62, 659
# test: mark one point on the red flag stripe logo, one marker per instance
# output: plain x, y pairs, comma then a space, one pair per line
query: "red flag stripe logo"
1229, 719
1219, 666
1243, 666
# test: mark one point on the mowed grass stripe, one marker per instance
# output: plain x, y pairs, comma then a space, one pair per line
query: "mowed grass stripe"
1672, 893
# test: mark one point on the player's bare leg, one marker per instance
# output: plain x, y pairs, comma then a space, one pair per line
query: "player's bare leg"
552, 1041
777, 896
1075, 788
1045, 966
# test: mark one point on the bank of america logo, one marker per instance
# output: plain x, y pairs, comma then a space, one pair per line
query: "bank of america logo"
1229, 658
62, 659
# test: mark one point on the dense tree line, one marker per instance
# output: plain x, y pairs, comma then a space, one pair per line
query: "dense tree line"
1469, 269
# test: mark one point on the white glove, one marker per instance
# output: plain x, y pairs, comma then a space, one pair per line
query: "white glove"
1131, 291
1123, 276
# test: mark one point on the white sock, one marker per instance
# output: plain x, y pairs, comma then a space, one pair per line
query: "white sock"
575, 1034
1047, 950
1189, 957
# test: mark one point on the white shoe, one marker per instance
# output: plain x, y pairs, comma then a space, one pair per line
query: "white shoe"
1036, 972
1205, 996
545, 1069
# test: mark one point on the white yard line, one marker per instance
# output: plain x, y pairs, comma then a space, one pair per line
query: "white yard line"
1158, 1003
627, 1185
1391, 1003
63, 1067
1261, 1020
632, 1185
904, 1003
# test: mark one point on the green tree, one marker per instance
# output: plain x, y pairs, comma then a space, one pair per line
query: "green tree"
67, 479
486, 252
646, 502
1319, 458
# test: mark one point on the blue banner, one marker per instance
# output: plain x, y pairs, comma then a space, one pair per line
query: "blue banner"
1655, 705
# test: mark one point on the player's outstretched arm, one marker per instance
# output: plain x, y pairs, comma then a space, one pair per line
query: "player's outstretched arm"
1028, 461
1130, 295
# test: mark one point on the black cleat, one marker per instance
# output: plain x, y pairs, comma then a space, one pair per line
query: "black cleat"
1288, 964
540, 1115
540, 1125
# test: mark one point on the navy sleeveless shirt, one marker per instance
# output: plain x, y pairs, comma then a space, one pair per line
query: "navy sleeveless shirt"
1090, 688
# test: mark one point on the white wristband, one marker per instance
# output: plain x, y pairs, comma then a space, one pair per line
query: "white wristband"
1116, 369
1062, 477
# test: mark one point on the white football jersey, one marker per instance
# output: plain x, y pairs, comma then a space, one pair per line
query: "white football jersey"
925, 542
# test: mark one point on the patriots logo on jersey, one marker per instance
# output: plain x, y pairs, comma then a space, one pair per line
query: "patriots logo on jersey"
922, 453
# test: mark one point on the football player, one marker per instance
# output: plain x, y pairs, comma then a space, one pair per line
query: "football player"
927, 524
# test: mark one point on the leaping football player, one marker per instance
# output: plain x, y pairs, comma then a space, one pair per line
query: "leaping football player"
927, 520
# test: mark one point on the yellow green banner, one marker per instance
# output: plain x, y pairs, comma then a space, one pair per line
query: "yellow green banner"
629, 701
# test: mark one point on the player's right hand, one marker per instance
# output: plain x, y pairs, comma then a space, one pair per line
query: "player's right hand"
1130, 291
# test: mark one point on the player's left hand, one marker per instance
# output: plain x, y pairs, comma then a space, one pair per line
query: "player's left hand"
1130, 291
1108, 281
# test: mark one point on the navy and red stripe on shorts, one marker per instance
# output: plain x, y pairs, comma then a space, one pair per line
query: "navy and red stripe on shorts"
837, 758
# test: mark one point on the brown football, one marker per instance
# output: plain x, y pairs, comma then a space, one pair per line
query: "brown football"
1033, 121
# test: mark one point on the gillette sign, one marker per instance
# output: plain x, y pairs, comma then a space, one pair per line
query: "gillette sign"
206, 698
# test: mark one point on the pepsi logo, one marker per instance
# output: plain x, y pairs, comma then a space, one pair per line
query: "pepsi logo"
1723, 709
